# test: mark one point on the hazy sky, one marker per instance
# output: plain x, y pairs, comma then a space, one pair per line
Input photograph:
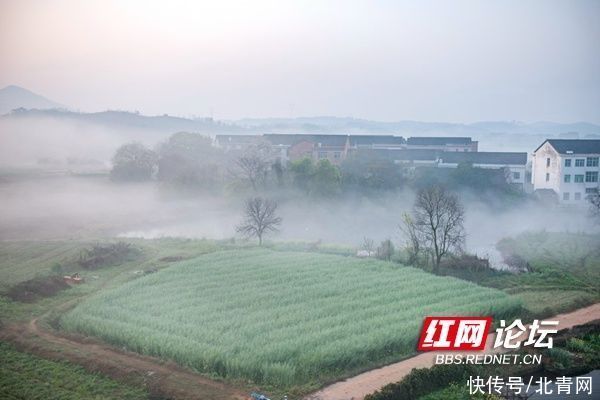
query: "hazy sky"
457, 61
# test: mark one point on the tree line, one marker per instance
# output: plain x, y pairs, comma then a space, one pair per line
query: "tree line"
190, 160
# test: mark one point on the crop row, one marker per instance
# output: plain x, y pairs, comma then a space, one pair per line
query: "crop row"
279, 318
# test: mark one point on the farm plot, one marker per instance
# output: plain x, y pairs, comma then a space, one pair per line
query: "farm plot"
25, 376
279, 318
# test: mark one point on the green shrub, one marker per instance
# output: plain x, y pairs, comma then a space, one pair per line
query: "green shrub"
458, 391
424, 381
561, 358
102, 255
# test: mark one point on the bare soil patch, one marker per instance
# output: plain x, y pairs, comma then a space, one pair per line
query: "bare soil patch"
171, 258
163, 380
34, 289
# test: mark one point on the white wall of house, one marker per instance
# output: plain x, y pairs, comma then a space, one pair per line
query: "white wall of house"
545, 168
571, 176
582, 179
281, 153
516, 172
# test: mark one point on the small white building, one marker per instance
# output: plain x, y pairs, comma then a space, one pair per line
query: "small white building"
568, 167
514, 164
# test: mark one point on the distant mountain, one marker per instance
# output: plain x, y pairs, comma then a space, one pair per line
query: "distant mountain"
118, 120
13, 97
416, 128
507, 135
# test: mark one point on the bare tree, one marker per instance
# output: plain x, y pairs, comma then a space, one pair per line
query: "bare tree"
254, 164
259, 218
368, 245
413, 238
437, 222
385, 251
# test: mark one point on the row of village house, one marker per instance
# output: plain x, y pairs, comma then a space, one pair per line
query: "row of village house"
564, 169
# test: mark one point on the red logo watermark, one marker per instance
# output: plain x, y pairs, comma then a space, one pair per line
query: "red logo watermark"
454, 333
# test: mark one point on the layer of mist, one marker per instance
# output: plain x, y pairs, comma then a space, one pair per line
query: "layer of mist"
67, 194
64, 207
53, 144
84, 142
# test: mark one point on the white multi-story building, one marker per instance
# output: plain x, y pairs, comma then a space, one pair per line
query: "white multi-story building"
568, 167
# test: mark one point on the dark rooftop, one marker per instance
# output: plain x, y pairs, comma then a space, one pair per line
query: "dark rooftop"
484, 158
407, 154
291, 139
574, 146
367, 140
437, 141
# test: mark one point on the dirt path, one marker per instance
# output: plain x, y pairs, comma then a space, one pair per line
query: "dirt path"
171, 381
358, 387
162, 379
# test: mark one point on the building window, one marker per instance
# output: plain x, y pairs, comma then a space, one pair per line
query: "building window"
547, 162
591, 190
591, 176
577, 196
547, 177
580, 162
592, 162
516, 175
578, 178
566, 196
567, 178
337, 155
567, 162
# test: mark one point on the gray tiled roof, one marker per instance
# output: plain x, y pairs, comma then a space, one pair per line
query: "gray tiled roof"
438, 141
574, 146
484, 158
407, 154
365, 140
291, 139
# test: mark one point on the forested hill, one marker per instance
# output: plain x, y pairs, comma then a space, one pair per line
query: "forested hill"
171, 124
127, 120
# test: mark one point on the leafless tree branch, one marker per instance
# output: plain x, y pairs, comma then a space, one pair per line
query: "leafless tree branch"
436, 223
259, 218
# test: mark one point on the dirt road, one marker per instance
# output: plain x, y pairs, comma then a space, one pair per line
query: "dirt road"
162, 379
358, 387
171, 381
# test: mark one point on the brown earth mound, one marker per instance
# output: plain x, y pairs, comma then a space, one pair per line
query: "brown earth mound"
171, 258
103, 255
37, 288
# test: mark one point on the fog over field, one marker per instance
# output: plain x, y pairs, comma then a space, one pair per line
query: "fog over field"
56, 206
298, 199
48, 201
54, 143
